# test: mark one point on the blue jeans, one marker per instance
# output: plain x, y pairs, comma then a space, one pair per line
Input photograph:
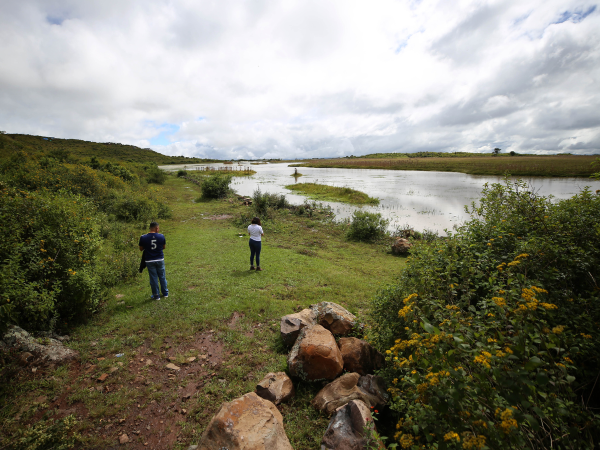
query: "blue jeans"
156, 270
255, 250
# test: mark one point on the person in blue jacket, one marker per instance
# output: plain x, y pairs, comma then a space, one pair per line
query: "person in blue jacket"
153, 244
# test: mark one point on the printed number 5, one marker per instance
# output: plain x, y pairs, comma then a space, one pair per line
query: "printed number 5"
153, 241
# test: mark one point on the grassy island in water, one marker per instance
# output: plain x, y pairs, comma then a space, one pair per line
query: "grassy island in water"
323, 192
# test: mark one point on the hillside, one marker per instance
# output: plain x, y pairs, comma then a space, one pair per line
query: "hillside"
110, 151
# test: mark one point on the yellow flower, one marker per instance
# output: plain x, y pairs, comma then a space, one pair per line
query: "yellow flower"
492, 340
489, 244
499, 301
559, 329
548, 306
473, 442
587, 336
508, 423
452, 435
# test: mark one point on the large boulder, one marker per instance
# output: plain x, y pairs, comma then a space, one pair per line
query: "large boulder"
332, 316
275, 387
247, 423
292, 324
348, 428
315, 355
49, 349
401, 246
376, 388
341, 391
359, 356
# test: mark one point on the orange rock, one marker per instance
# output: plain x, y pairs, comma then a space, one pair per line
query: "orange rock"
315, 355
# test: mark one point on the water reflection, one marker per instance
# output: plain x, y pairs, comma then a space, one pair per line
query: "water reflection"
423, 200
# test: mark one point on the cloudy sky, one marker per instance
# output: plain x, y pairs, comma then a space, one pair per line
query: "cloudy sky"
306, 78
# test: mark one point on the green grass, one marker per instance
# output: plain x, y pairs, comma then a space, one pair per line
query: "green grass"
331, 193
545, 166
305, 261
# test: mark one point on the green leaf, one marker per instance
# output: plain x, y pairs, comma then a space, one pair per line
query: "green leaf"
570, 378
531, 420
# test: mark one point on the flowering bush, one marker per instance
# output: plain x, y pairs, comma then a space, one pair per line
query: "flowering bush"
49, 257
490, 334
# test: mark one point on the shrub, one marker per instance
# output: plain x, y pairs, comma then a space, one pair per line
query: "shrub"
155, 175
366, 226
49, 257
263, 202
182, 173
56, 434
490, 333
216, 185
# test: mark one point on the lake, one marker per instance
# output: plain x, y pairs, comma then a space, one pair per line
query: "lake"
421, 200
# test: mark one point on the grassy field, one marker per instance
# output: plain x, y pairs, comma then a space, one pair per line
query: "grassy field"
218, 312
10, 143
546, 166
323, 192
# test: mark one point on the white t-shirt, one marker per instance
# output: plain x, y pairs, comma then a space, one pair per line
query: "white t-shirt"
255, 231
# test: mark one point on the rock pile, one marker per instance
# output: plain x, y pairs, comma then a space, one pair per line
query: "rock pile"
254, 422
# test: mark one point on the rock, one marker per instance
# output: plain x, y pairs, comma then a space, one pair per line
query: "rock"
123, 439
401, 246
359, 356
275, 387
341, 391
51, 350
375, 387
346, 430
247, 423
192, 447
172, 366
25, 358
315, 355
292, 324
103, 377
333, 317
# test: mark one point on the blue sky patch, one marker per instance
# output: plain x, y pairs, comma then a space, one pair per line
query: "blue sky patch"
575, 16
166, 131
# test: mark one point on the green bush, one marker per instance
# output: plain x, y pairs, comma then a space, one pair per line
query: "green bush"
366, 226
49, 257
263, 202
216, 185
155, 175
181, 173
490, 334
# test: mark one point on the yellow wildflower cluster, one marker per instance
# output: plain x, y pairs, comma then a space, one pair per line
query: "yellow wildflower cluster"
434, 377
521, 256
559, 329
490, 340
484, 359
501, 267
513, 263
499, 301
548, 305
500, 354
452, 307
508, 423
587, 336
409, 306
473, 441
406, 440
452, 435
480, 423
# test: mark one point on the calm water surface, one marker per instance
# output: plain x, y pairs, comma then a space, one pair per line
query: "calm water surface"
422, 200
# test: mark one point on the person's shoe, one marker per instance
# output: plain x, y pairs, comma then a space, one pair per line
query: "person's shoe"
152, 297
165, 296
258, 268
251, 267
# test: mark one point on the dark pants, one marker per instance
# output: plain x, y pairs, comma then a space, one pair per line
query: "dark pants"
255, 250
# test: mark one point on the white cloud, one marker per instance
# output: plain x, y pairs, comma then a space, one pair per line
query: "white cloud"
234, 79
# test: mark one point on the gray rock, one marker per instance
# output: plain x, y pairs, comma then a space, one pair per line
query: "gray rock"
401, 246
376, 388
50, 349
332, 316
346, 430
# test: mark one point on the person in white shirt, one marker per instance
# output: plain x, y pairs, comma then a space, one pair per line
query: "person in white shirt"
255, 231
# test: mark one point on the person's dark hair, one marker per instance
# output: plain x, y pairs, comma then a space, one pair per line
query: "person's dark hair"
153, 225
256, 221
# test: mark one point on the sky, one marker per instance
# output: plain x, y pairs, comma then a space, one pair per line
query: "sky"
298, 79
